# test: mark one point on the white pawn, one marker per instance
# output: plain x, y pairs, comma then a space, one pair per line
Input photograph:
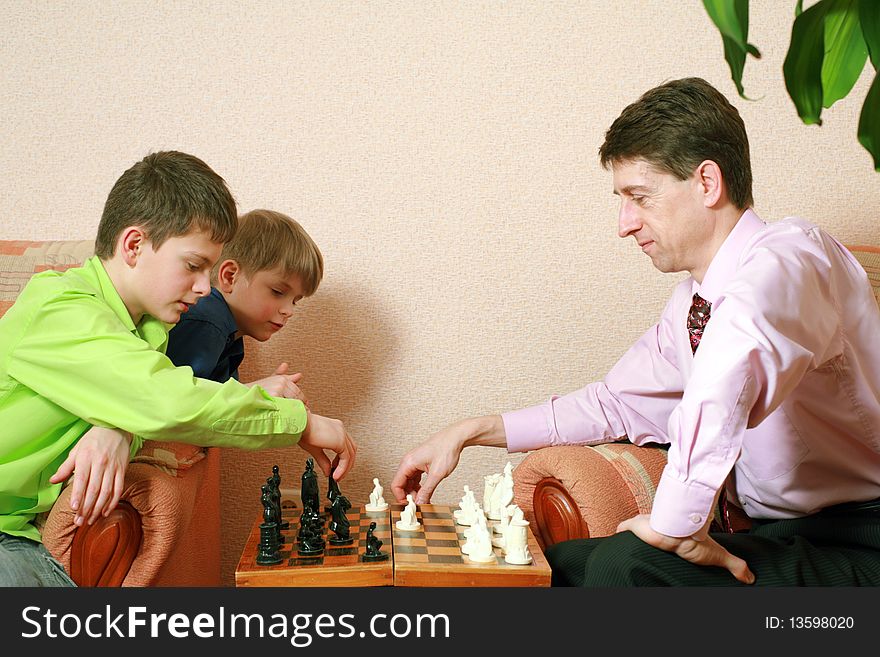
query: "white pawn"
377, 502
472, 532
408, 521
482, 550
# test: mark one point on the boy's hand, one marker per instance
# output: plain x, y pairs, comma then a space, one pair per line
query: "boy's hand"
326, 433
98, 462
282, 384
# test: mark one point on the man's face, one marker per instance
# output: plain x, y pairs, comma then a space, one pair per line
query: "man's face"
168, 280
262, 303
662, 213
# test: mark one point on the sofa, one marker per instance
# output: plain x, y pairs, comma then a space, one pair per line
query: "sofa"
581, 492
166, 529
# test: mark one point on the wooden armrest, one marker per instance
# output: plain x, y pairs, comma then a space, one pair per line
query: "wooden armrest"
103, 552
557, 515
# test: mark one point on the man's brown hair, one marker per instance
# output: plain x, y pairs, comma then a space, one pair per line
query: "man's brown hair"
678, 125
268, 240
167, 194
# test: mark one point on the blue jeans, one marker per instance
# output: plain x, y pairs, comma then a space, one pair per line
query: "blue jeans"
24, 562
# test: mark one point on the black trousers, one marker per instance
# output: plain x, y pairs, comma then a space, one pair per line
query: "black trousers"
830, 548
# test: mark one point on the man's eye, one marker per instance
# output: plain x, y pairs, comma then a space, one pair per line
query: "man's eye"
192, 266
277, 293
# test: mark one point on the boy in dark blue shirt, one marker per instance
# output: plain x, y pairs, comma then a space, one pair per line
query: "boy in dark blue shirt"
270, 265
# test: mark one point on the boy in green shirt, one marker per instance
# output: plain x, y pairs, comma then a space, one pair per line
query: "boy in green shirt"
84, 350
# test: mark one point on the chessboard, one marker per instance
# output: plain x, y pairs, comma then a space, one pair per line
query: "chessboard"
336, 566
432, 556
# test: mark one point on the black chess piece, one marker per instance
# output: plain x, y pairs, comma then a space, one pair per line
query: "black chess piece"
310, 541
267, 554
309, 489
275, 498
276, 481
340, 524
372, 552
332, 489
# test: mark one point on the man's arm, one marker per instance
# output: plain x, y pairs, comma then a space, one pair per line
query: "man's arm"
438, 456
634, 400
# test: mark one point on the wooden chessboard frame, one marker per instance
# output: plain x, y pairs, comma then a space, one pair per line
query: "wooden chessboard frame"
428, 557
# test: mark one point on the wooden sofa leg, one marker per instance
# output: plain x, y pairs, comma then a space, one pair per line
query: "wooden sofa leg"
556, 513
102, 553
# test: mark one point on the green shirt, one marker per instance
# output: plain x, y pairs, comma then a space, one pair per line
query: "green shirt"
71, 357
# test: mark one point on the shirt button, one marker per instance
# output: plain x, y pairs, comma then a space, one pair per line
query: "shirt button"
695, 518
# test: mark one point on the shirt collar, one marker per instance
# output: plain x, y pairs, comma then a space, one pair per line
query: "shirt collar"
153, 331
725, 263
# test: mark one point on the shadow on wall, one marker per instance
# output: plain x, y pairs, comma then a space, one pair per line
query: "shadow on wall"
340, 340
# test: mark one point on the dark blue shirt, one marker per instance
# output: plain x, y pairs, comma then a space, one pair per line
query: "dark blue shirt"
204, 339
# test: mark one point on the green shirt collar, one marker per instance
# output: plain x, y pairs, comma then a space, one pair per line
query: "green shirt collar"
153, 331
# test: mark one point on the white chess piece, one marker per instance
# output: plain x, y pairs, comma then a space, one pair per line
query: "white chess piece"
464, 515
482, 549
489, 484
503, 493
408, 521
377, 501
516, 549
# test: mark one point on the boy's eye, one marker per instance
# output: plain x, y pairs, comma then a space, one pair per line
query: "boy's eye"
192, 266
277, 293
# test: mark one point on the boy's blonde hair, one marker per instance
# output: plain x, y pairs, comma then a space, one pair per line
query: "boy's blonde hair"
267, 240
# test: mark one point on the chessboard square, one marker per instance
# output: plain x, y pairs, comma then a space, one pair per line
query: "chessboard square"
453, 550
409, 549
340, 552
410, 557
435, 515
445, 558
441, 543
409, 542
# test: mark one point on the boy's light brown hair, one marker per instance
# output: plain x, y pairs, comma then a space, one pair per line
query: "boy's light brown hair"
167, 193
268, 240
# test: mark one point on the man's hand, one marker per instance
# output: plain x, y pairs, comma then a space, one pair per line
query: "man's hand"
282, 384
438, 456
326, 433
704, 553
98, 462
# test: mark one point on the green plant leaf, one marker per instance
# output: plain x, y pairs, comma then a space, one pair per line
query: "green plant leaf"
731, 17
869, 18
803, 62
845, 51
869, 122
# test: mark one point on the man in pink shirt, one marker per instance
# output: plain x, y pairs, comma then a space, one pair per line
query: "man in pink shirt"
762, 376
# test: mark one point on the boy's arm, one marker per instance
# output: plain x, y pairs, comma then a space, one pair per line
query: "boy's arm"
98, 463
76, 353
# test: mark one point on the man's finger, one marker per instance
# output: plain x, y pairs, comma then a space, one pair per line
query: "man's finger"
296, 378
281, 369
426, 489
64, 470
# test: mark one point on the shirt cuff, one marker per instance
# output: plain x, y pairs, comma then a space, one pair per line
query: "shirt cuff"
528, 428
680, 508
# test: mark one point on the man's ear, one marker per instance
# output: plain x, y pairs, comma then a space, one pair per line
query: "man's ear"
711, 182
227, 273
130, 243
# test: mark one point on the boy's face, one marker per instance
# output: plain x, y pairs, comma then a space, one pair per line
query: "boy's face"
263, 302
167, 281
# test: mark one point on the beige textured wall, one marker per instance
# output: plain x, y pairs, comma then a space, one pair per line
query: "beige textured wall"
443, 155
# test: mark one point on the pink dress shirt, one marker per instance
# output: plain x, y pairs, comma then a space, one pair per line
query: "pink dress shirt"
784, 388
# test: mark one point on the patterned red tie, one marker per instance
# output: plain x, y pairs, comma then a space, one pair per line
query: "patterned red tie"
698, 317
